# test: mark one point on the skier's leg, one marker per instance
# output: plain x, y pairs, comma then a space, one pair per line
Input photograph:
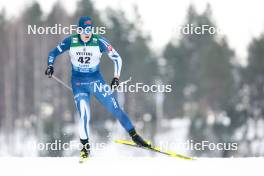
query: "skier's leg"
110, 103
82, 102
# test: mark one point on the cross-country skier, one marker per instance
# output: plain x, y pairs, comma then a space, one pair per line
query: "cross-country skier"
85, 50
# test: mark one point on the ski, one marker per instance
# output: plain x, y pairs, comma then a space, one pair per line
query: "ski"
154, 149
83, 160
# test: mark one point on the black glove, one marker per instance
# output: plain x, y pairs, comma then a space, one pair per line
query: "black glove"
49, 71
137, 139
114, 83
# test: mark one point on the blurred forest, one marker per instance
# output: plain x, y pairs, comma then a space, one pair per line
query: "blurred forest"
221, 100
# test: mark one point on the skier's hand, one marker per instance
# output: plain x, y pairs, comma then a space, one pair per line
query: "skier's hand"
49, 71
114, 83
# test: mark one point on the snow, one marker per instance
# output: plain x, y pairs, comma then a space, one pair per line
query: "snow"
126, 166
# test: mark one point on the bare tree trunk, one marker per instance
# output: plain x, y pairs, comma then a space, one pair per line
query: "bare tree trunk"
20, 72
10, 86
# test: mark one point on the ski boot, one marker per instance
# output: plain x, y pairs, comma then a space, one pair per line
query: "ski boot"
85, 152
138, 140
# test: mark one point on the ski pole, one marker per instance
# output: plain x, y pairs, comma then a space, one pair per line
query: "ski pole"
124, 82
62, 83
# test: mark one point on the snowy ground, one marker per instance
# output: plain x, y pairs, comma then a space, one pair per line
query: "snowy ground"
69, 166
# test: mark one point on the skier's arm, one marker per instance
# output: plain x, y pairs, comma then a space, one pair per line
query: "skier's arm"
61, 48
106, 47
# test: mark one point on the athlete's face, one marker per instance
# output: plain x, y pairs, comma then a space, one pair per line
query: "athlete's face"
86, 34
86, 37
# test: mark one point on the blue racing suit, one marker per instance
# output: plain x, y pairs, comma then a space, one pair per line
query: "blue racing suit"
86, 77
